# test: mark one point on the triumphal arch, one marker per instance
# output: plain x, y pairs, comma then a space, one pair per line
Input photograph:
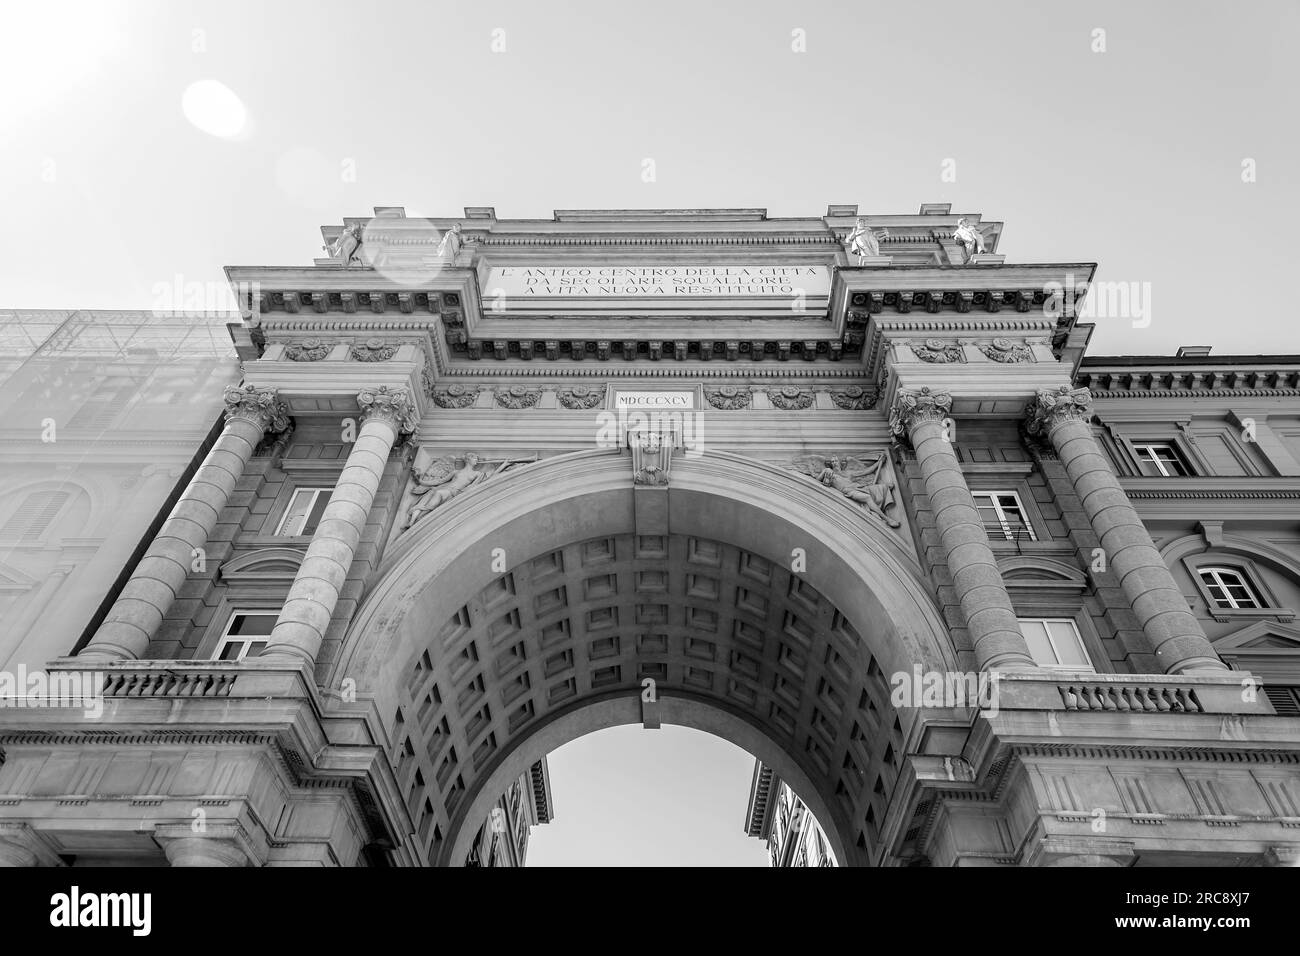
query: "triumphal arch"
844, 490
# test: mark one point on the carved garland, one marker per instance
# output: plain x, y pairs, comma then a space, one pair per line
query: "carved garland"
455, 396
791, 397
582, 396
938, 351
855, 398
518, 396
309, 350
373, 350
729, 397
1004, 350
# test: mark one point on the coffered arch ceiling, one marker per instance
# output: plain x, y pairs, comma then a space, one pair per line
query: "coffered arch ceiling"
479, 670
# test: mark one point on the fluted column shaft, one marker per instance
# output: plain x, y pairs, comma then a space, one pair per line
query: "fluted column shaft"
1180, 645
139, 610
300, 628
990, 617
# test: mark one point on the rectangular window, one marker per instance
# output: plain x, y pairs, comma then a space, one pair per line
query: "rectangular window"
245, 635
1003, 515
1055, 642
305, 511
1162, 460
1229, 588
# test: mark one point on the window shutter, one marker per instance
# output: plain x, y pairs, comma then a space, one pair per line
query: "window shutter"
34, 515
1285, 700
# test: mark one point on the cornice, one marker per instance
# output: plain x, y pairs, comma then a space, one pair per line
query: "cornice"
1206, 381
1175, 495
701, 371
716, 239
1198, 393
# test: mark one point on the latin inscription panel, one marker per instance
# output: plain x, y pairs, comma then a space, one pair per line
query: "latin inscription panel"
773, 287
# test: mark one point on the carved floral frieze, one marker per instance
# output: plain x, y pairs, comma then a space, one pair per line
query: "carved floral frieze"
938, 351
518, 396
1004, 350
373, 350
854, 398
729, 397
581, 396
791, 397
455, 396
308, 350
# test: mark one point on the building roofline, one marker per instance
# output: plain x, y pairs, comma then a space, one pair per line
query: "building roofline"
1202, 361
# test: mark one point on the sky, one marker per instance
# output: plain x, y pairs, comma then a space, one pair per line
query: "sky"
686, 791
1155, 138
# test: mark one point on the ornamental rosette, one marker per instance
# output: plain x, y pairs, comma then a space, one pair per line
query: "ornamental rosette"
389, 405
518, 396
258, 405
582, 396
1055, 406
939, 351
308, 350
855, 398
455, 396
913, 406
728, 397
791, 397
1004, 350
373, 350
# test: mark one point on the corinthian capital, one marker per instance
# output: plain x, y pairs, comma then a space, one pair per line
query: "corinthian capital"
1052, 406
915, 405
258, 405
389, 405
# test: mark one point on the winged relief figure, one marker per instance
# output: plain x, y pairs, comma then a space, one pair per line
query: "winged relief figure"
443, 480
856, 479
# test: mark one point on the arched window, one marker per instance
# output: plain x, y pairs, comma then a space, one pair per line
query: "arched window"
1229, 588
31, 519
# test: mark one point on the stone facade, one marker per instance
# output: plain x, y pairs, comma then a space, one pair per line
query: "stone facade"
976, 598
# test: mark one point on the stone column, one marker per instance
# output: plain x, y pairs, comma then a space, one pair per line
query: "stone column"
21, 847
203, 851
1062, 415
139, 610
1053, 850
990, 618
303, 620
13, 853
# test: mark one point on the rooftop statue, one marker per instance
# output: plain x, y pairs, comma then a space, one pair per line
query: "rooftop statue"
451, 243
863, 240
346, 245
971, 239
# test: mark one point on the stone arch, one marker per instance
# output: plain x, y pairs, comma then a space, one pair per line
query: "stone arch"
1260, 552
483, 614
80, 509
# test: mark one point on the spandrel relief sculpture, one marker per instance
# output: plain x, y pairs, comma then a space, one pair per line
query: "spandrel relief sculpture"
862, 480
447, 477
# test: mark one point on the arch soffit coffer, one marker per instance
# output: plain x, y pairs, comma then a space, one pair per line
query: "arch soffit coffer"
859, 570
583, 489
